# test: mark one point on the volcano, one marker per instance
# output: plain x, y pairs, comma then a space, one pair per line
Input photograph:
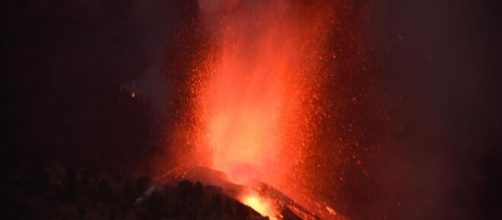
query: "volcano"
261, 197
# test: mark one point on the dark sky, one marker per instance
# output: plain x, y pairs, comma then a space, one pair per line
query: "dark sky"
443, 72
68, 69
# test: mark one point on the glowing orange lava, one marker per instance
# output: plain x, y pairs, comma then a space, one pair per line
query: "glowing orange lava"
259, 204
254, 91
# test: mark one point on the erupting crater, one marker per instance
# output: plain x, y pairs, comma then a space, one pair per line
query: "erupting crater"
252, 106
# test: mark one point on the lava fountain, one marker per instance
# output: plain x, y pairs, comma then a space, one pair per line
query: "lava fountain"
254, 90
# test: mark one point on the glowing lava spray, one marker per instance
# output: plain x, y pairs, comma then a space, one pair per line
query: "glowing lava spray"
253, 97
255, 89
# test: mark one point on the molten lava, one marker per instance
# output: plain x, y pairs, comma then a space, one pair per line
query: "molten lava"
253, 93
253, 106
259, 204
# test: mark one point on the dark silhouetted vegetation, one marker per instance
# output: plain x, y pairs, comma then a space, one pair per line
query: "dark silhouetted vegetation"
32, 190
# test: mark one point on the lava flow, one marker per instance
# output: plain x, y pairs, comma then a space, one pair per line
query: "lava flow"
253, 110
259, 204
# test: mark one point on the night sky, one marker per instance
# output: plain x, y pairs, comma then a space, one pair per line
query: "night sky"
430, 91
